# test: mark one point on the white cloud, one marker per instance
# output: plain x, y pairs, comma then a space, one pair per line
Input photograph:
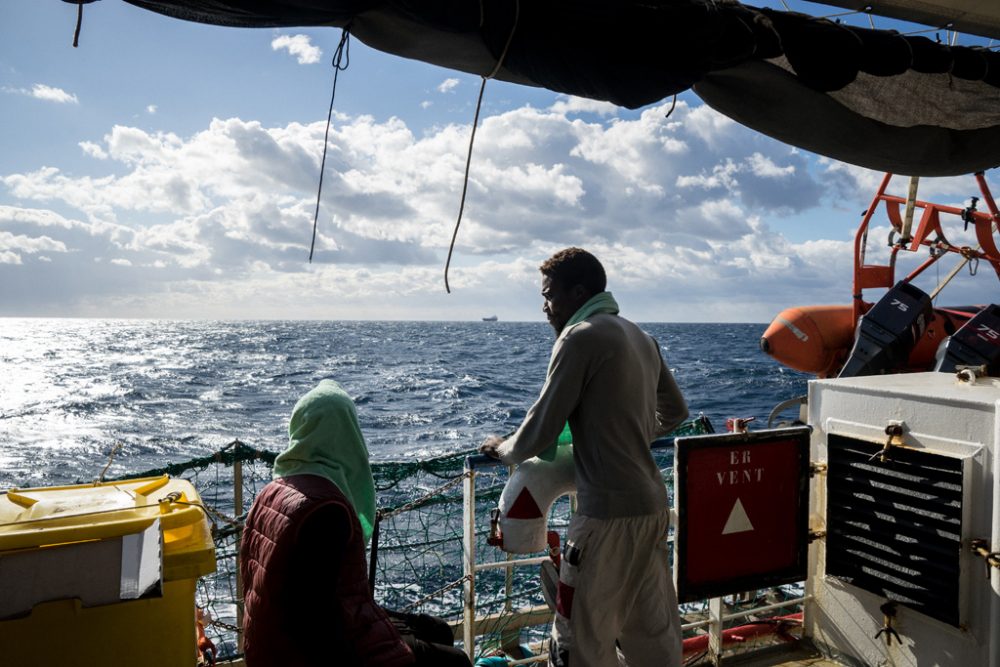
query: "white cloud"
299, 46
11, 215
221, 220
28, 244
761, 165
93, 150
569, 104
426, 104
448, 85
151, 109
43, 92
722, 176
709, 125
955, 191
49, 94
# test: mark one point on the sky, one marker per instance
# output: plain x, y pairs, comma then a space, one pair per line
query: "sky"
167, 169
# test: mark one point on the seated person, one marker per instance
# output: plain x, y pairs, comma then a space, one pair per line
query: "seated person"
302, 558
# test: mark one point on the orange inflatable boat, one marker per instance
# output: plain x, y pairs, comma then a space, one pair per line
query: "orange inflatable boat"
817, 339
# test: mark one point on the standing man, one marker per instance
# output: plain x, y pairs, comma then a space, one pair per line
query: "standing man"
608, 379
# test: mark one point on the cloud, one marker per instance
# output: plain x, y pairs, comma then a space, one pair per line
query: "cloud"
710, 126
682, 210
955, 191
29, 245
448, 85
151, 109
299, 46
568, 104
13, 246
49, 94
93, 150
41, 91
764, 167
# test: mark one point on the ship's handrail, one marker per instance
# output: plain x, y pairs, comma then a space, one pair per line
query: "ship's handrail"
715, 622
419, 525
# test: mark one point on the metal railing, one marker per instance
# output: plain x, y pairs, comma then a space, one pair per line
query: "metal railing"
473, 626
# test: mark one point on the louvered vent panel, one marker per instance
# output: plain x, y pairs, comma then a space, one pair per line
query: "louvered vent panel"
895, 528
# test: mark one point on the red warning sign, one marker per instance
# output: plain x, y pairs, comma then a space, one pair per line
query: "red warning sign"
742, 504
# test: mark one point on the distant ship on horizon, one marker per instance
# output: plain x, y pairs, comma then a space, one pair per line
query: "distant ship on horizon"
491, 318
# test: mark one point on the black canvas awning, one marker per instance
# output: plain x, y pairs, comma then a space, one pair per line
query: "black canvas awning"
869, 97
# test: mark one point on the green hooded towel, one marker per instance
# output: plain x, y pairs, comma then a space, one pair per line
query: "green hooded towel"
324, 438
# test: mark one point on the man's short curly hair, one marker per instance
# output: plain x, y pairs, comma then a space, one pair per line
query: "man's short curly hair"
575, 266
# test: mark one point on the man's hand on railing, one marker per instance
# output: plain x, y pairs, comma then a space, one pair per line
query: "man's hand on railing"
489, 446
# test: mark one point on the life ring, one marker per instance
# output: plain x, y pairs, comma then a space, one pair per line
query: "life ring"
527, 499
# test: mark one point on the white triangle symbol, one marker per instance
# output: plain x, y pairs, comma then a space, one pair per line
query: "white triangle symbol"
738, 521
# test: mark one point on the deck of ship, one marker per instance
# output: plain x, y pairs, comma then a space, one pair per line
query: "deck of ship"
800, 654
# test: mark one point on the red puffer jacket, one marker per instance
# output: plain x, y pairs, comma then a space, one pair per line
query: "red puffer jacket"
306, 594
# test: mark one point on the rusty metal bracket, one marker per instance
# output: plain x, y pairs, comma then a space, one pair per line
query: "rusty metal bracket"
894, 433
818, 469
888, 616
816, 535
981, 548
970, 373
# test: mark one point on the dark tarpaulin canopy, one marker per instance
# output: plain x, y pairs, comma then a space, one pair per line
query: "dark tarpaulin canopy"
875, 98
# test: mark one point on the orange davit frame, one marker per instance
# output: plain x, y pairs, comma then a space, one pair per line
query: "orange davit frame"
816, 339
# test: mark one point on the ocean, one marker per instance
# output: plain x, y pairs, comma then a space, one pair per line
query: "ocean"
71, 390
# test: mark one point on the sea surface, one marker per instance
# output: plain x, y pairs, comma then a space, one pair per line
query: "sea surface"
72, 390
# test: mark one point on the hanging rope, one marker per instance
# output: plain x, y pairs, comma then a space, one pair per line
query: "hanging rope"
79, 23
673, 105
472, 138
465, 185
344, 48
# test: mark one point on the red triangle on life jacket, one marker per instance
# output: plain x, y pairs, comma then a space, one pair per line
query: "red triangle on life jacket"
524, 507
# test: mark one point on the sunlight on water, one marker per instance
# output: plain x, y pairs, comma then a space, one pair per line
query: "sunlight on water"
169, 391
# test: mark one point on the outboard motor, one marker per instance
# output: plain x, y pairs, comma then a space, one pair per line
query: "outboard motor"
887, 333
977, 343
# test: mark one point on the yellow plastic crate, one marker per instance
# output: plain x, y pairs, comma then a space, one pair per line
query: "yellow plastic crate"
67, 553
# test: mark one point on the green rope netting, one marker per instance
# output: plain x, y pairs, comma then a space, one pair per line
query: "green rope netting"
226, 456
420, 550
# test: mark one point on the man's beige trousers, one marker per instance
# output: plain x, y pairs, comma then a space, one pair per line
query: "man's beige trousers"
615, 584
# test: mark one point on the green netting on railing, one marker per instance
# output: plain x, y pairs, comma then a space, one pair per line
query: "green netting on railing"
236, 451
420, 549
